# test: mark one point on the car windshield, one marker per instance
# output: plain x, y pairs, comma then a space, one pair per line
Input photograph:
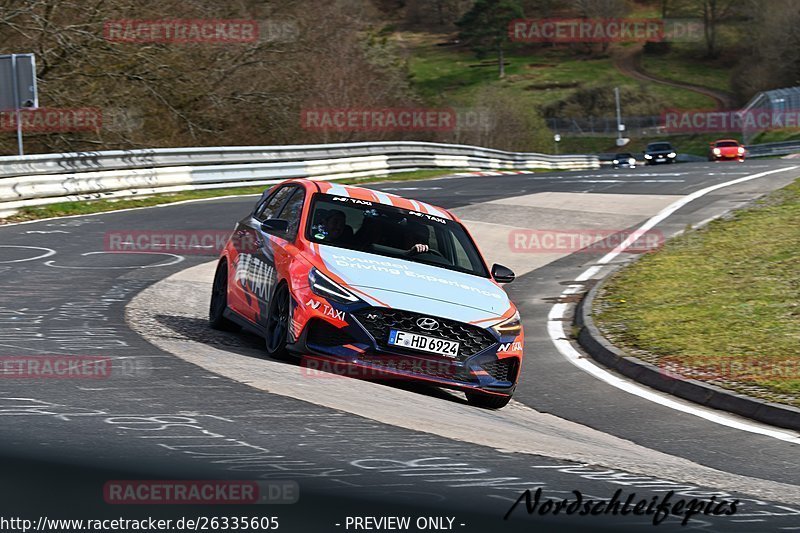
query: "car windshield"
393, 232
726, 144
659, 146
624, 156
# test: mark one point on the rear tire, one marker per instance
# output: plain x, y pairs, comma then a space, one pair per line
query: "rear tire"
219, 300
487, 401
278, 324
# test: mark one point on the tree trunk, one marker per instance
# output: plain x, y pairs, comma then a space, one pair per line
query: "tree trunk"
710, 26
501, 61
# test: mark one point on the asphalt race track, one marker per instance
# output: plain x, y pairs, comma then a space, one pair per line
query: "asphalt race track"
187, 402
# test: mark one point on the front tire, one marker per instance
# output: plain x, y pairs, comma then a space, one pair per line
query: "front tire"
487, 401
278, 323
219, 300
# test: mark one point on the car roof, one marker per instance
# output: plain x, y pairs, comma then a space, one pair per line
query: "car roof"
385, 198
658, 142
726, 141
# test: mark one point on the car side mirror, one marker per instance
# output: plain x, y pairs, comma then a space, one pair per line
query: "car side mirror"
275, 225
502, 274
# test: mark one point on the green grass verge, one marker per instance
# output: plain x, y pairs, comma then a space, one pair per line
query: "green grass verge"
99, 206
724, 299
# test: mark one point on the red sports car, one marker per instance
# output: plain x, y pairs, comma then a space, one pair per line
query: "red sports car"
726, 150
389, 286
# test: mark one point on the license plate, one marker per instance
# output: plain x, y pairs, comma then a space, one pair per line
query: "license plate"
423, 343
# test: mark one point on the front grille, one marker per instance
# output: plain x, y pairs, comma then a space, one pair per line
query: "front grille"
501, 369
378, 321
322, 333
419, 366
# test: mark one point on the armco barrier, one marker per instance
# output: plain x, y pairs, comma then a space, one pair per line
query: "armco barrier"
49, 178
168, 157
773, 149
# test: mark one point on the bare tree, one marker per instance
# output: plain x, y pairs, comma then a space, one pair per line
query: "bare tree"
714, 12
172, 94
771, 57
601, 9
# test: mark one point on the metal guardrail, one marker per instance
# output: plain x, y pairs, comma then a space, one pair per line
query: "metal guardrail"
51, 178
165, 157
773, 149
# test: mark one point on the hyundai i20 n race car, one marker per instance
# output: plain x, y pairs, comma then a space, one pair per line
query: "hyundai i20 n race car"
390, 286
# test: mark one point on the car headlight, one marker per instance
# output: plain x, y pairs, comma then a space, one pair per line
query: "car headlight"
717, 151
616, 161
672, 154
324, 286
740, 150
631, 161
510, 326
648, 156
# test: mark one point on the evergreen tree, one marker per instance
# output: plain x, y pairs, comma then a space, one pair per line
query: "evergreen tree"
485, 27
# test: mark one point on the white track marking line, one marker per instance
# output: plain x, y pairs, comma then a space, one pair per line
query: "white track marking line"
174, 261
47, 253
556, 317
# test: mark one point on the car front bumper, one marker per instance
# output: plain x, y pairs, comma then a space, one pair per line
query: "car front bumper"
660, 160
360, 350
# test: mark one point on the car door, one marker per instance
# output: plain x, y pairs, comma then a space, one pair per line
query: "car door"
253, 269
284, 251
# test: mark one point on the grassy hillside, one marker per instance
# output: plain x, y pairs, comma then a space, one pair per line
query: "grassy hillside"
538, 77
682, 64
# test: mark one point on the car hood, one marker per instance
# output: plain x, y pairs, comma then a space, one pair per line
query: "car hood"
401, 284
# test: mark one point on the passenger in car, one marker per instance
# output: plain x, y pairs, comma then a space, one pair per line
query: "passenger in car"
335, 228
